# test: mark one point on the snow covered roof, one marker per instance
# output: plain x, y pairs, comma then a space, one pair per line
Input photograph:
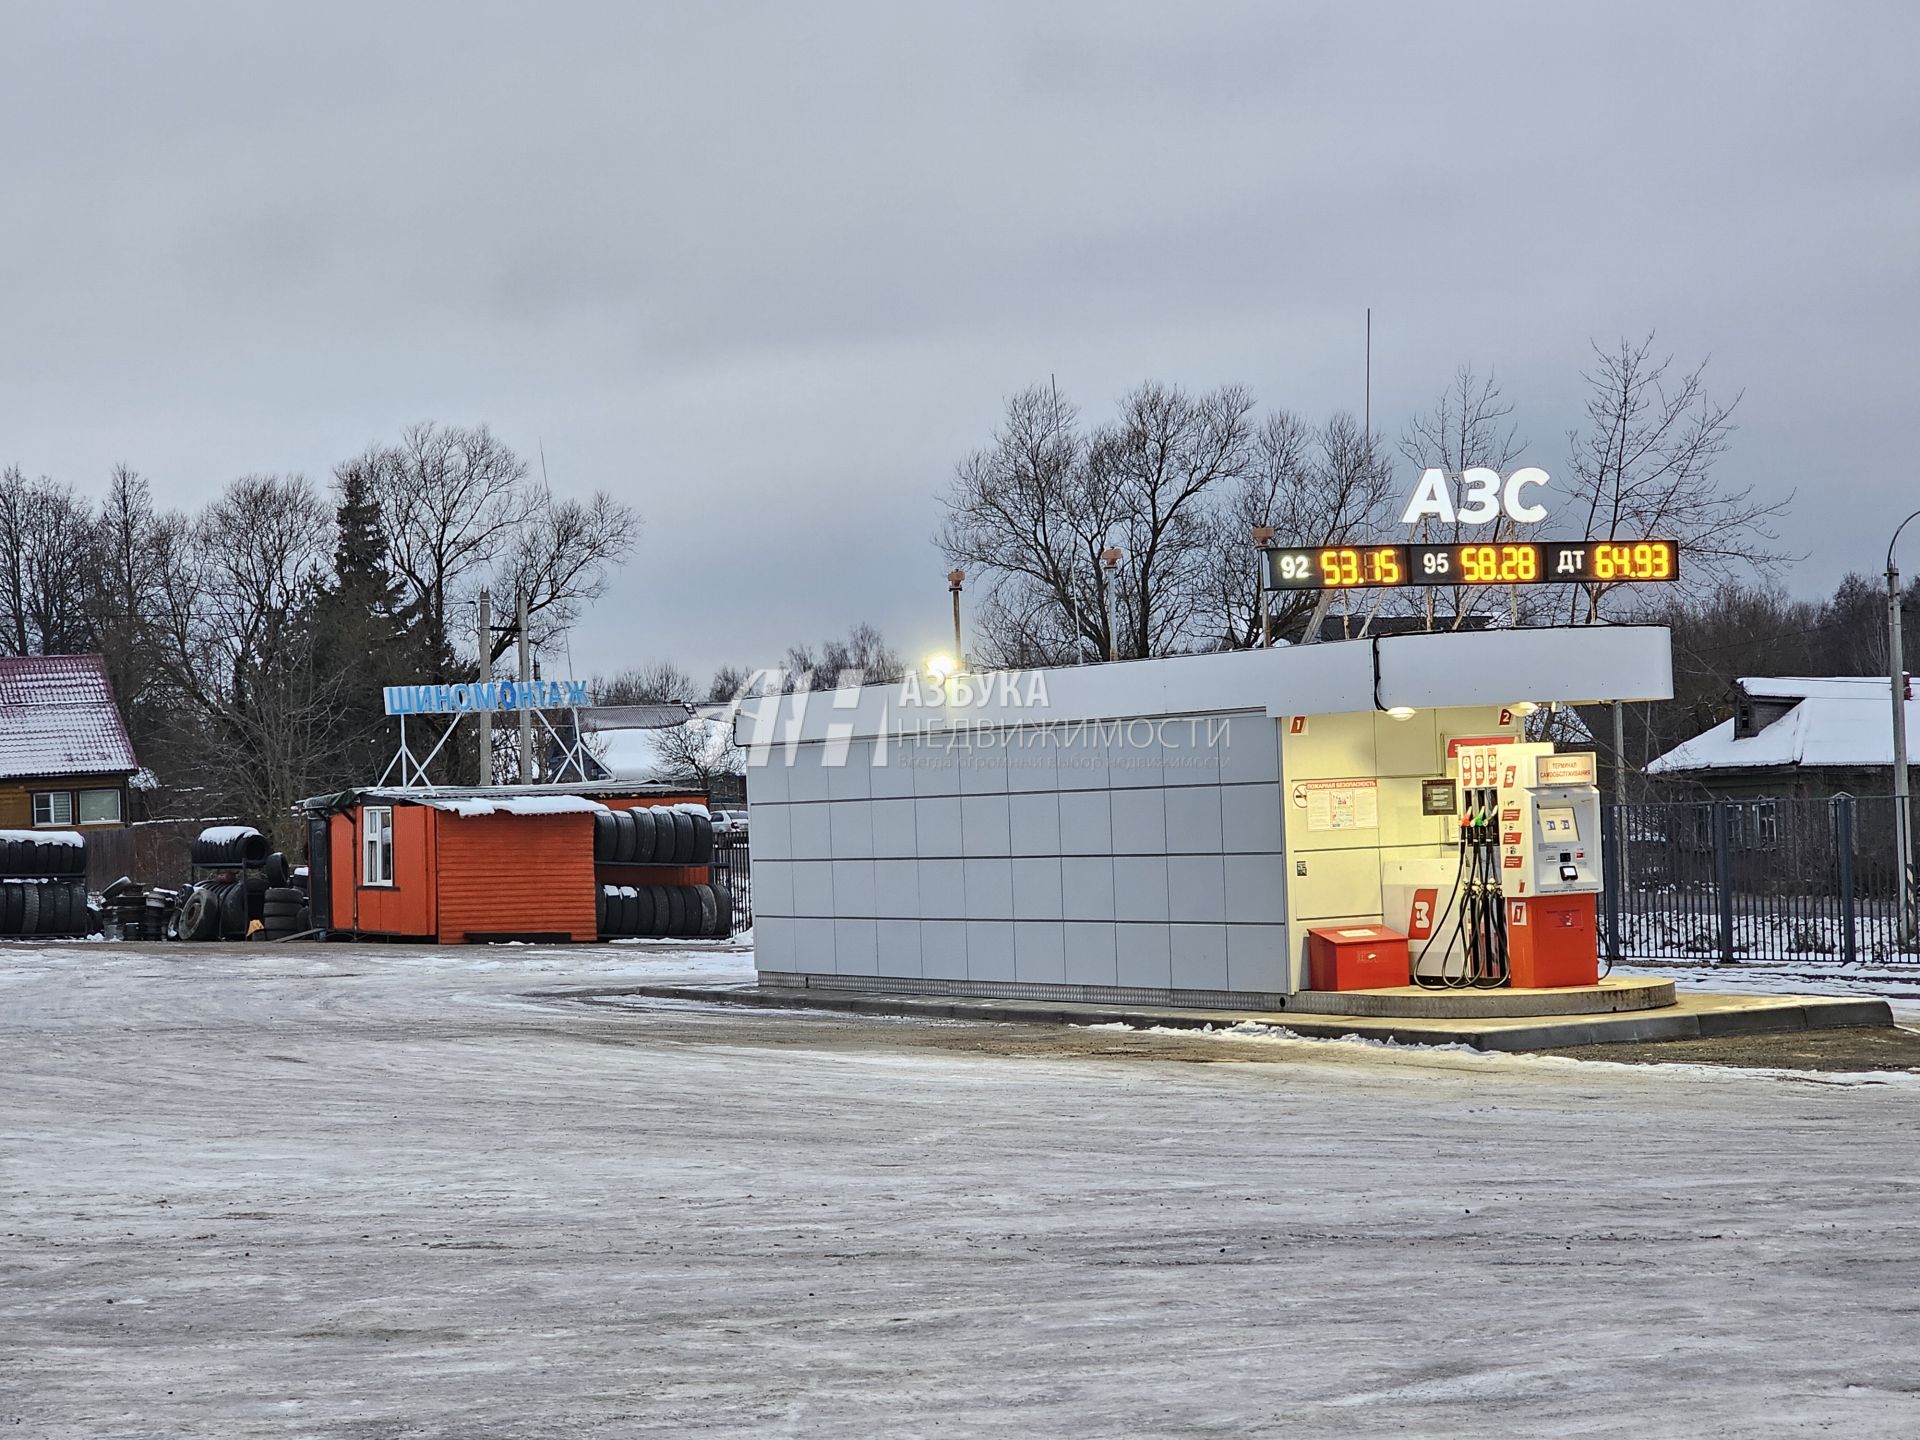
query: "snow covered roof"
492, 799
1838, 721
58, 717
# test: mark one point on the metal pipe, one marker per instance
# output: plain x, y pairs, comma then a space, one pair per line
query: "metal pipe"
526, 681
1902, 805
486, 674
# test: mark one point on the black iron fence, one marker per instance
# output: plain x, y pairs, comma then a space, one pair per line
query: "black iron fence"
1760, 879
733, 869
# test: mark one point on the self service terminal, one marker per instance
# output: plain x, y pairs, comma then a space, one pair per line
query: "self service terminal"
1514, 904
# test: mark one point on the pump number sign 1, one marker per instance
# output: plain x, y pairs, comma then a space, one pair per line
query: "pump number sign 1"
1513, 562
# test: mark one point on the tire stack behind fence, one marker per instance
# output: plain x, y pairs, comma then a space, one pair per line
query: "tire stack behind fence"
248, 890
43, 884
641, 858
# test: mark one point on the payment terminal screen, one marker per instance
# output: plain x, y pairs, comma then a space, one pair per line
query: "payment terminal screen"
1557, 823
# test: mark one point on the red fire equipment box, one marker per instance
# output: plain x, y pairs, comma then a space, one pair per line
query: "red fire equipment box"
1356, 957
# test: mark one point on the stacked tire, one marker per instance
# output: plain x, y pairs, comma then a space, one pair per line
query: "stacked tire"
253, 883
654, 835
43, 886
693, 912
284, 912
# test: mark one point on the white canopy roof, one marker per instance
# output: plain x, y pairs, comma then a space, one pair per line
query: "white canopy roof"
1576, 665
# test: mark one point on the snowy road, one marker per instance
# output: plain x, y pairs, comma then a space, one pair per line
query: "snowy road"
375, 1193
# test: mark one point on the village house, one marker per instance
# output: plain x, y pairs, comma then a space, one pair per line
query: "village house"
65, 759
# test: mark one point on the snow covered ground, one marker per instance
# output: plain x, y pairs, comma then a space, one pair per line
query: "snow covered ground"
380, 1192
1898, 985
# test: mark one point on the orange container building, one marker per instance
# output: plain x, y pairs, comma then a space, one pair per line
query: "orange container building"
471, 864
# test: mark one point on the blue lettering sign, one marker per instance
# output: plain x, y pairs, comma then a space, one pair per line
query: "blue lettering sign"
487, 695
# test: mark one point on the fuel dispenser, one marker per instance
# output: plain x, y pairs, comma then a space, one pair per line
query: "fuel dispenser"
1515, 904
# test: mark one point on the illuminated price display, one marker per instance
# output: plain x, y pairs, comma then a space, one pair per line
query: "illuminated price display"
1533, 562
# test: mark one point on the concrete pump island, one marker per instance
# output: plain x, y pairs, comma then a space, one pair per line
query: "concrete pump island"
1352, 838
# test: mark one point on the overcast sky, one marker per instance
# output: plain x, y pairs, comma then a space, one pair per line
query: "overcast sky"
768, 271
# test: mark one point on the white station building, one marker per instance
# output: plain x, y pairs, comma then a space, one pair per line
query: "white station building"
1149, 831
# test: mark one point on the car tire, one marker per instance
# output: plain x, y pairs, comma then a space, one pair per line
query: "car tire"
645, 834
606, 838
233, 911
709, 909
702, 852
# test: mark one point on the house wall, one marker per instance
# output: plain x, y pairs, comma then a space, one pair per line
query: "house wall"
514, 874
1141, 859
16, 798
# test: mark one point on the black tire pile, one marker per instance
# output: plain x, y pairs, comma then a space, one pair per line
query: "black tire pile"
254, 884
138, 912
659, 835
694, 912
43, 886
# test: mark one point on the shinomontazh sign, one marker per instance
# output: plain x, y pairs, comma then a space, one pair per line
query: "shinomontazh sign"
486, 697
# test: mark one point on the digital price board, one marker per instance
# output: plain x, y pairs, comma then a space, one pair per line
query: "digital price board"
1512, 562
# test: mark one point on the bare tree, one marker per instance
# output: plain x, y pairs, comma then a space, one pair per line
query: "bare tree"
862, 658
1644, 468
134, 546
45, 540
1469, 426
452, 501
561, 558
661, 682
236, 626
1031, 514
698, 753
1311, 486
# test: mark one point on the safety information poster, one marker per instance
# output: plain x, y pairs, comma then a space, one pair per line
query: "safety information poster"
1339, 804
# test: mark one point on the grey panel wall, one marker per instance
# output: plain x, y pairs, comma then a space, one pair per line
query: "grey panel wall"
1143, 855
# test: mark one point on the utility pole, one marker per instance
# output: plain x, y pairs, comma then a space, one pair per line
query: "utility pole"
1902, 801
955, 578
526, 683
1262, 542
486, 674
1110, 557
1619, 753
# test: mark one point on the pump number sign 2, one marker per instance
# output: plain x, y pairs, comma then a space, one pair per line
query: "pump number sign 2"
1513, 562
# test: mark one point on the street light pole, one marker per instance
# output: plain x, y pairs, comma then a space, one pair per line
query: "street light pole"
1110, 557
955, 578
1902, 806
1262, 542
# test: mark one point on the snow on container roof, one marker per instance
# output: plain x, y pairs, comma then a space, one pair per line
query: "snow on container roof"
58, 717
1841, 721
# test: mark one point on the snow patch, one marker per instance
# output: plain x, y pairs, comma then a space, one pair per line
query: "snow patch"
72, 839
226, 834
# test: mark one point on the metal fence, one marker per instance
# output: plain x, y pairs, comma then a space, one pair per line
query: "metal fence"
1754, 879
733, 869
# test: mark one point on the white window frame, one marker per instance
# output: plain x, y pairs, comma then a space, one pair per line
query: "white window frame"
376, 846
52, 821
80, 806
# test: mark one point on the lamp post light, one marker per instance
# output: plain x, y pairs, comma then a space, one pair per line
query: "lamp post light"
1110, 557
1262, 542
955, 578
1903, 812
